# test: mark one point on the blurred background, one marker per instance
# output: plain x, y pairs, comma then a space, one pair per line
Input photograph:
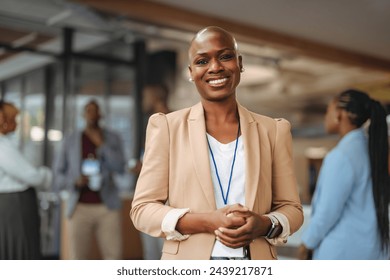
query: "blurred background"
56, 54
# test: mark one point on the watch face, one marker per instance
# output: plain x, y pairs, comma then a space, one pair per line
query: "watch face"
274, 228
272, 233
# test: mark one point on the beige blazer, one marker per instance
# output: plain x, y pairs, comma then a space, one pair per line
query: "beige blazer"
176, 174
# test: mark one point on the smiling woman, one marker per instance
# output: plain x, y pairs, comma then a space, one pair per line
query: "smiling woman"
217, 197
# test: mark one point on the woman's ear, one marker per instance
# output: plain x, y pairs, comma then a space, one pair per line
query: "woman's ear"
190, 72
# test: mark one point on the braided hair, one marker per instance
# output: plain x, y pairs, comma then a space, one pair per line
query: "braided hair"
360, 107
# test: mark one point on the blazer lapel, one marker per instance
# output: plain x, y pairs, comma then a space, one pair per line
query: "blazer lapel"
199, 149
251, 140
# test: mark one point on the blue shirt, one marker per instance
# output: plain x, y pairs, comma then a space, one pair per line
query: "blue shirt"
343, 223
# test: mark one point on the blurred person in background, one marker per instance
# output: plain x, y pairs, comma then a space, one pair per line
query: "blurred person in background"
217, 180
19, 213
85, 167
154, 100
350, 205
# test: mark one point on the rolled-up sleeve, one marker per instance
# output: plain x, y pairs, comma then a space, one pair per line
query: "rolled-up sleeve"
169, 224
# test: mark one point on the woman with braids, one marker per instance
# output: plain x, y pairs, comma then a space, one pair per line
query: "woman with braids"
350, 205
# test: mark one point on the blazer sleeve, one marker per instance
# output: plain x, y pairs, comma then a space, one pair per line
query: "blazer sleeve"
151, 193
335, 185
285, 196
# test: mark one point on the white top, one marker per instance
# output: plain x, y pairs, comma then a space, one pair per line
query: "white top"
223, 155
16, 173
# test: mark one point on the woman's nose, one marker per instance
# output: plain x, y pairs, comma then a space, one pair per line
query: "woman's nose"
215, 66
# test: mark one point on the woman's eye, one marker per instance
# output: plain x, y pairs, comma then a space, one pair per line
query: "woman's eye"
201, 62
226, 56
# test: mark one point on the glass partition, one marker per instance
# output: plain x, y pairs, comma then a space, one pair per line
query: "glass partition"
33, 118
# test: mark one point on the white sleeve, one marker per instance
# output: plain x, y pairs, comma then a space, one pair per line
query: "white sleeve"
168, 225
283, 221
13, 162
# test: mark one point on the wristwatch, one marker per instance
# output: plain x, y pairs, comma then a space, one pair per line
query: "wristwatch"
274, 227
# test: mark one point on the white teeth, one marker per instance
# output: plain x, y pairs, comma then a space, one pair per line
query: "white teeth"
219, 81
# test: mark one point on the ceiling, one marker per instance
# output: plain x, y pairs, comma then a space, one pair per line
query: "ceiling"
354, 25
297, 54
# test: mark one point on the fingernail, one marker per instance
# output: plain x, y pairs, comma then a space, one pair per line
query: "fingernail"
216, 232
220, 229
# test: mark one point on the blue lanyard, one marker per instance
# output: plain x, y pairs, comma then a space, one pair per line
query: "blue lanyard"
225, 199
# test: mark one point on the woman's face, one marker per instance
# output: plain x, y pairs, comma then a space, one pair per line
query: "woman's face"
149, 99
9, 119
215, 66
332, 118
